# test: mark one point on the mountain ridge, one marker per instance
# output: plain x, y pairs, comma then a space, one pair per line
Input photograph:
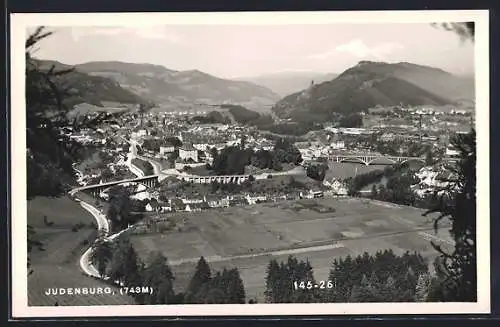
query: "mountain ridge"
83, 88
368, 84
171, 87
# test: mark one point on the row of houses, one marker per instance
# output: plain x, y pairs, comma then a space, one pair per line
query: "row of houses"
212, 202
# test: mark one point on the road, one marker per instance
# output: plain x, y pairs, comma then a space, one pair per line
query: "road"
102, 224
133, 155
260, 254
156, 165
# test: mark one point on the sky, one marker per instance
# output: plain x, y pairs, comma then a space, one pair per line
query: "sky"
234, 51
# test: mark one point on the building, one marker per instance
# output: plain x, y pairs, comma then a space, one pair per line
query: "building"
337, 145
166, 149
336, 186
153, 205
187, 151
256, 199
451, 152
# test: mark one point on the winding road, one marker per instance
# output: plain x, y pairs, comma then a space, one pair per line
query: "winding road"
102, 224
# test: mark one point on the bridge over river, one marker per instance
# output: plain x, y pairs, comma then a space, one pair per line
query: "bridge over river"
374, 159
153, 180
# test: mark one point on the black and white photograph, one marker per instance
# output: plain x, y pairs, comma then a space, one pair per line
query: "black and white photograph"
182, 164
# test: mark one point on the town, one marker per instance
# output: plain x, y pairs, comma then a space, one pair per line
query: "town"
174, 147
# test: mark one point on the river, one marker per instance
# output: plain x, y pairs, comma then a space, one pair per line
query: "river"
343, 170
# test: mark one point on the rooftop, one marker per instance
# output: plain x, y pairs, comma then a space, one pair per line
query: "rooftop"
188, 147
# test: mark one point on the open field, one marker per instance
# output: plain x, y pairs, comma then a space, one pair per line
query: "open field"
318, 230
63, 212
57, 263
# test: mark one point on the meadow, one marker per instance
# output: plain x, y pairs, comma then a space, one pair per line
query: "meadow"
56, 264
318, 230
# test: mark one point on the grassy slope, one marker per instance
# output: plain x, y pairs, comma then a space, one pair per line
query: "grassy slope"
84, 88
58, 264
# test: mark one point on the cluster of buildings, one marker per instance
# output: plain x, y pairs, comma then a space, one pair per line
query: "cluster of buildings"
208, 202
198, 141
432, 179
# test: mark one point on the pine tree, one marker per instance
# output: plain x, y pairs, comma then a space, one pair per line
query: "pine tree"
458, 204
303, 271
280, 282
388, 291
50, 153
214, 296
199, 281
364, 292
125, 264
458, 278
271, 281
235, 290
158, 275
422, 288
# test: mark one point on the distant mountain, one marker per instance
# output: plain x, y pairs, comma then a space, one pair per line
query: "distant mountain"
166, 87
288, 82
84, 88
369, 84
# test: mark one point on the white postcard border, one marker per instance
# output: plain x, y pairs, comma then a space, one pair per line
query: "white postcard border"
19, 25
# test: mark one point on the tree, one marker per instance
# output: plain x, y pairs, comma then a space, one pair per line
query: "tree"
351, 121
143, 109
174, 141
364, 292
389, 291
101, 255
159, 276
429, 160
199, 281
107, 174
317, 172
213, 152
213, 296
458, 204
280, 282
392, 278
422, 288
287, 152
125, 266
271, 282
234, 289
50, 152
457, 276
373, 193
120, 207
466, 30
